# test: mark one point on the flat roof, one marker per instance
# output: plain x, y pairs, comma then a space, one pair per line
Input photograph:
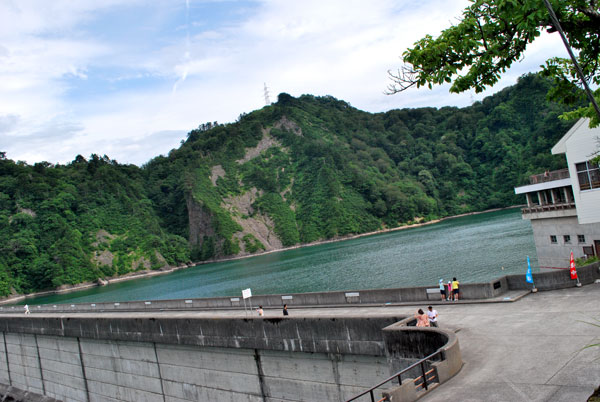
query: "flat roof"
547, 185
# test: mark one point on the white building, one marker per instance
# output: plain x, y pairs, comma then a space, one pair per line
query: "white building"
564, 205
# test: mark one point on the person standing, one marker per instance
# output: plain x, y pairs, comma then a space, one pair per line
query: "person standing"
442, 289
285, 310
449, 291
432, 315
455, 284
422, 319
27, 309
260, 310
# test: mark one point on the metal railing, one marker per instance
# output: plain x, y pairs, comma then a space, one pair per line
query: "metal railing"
425, 378
549, 176
547, 207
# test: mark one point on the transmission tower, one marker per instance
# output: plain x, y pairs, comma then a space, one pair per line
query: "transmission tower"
267, 100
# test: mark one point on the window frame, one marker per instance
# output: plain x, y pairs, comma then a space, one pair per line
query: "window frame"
588, 172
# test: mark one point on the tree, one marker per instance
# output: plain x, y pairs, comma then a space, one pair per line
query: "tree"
493, 34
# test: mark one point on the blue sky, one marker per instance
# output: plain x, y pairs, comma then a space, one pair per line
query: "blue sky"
129, 78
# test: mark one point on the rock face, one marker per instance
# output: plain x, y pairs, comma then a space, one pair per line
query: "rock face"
104, 257
265, 143
289, 125
200, 222
216, 172
252, 222
261, 227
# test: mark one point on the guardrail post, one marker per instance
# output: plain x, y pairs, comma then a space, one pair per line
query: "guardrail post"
424, 376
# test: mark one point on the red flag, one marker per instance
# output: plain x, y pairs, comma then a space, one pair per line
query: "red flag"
572, 267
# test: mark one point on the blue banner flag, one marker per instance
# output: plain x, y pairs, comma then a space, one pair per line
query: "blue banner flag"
528, 275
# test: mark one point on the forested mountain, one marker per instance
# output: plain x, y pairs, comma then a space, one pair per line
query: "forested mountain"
301, 170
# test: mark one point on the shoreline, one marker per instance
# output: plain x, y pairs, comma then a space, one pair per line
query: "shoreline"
165, 271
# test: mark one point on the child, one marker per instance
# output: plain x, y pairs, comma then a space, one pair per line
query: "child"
455, 289
442, 289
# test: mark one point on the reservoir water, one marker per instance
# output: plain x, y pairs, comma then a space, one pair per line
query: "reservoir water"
473, 248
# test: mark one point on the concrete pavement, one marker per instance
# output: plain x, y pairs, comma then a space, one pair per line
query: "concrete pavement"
528, 350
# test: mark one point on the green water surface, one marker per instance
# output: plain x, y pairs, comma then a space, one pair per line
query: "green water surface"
473, 248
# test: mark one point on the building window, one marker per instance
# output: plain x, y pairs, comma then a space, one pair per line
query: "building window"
588, 251
553, 239
588, 175
567, 239
581, 238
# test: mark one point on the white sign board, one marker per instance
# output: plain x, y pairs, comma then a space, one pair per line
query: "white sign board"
246, 293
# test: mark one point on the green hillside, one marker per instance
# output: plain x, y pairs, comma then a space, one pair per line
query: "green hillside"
301, 170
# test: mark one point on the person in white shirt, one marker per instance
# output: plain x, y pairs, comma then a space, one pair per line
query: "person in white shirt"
432, 315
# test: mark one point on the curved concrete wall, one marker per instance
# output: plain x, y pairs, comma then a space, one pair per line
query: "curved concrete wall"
408, 345
177, 359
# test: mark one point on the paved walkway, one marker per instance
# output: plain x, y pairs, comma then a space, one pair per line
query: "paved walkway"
527, 350
531, 349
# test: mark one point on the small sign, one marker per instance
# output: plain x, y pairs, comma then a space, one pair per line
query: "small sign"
287, 297
235, 299
117, 304
188, 302
147, 303
246, 293
352, 294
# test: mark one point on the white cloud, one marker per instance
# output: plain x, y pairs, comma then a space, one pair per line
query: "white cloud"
161, 87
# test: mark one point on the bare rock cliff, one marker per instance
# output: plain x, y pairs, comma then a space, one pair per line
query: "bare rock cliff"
200, 222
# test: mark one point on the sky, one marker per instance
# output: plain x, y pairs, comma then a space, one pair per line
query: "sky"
130, 78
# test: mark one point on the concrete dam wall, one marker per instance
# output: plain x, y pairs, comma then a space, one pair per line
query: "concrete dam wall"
147, 359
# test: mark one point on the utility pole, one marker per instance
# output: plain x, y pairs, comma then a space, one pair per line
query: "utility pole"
556, 24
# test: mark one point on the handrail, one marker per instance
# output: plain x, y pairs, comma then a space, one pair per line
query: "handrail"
547, 207
549, 176
398, 375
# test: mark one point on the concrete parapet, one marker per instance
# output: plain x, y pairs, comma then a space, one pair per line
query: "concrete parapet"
254, 359
369, 296
407, 345
403, 393
419, 359
557, 279
355, 335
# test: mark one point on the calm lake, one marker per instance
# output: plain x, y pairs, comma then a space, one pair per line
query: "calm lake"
474, 248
